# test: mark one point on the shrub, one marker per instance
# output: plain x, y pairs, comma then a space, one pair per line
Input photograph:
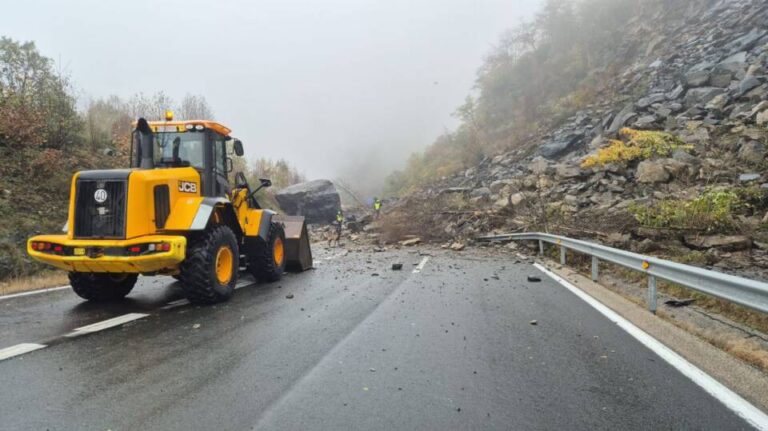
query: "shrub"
639, 145
711, 212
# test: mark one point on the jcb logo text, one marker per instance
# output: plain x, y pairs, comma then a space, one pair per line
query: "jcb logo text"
187, 187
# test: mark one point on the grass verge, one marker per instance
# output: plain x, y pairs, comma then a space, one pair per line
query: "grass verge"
33, 282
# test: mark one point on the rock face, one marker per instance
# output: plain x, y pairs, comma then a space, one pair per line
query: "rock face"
723, 242
703, 80
316, 200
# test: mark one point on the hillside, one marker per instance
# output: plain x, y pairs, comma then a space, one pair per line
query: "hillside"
653, 140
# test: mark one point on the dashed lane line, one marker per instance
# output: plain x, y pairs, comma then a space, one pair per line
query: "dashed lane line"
182, 302
33, 292
421, 264
174, 304
244, 283
320, 260
730, 399
19, 349
106, 324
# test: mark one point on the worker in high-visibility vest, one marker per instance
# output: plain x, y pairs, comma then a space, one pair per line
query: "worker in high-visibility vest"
339, 224
376, 208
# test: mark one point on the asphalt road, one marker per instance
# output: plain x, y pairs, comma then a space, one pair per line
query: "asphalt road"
358, 346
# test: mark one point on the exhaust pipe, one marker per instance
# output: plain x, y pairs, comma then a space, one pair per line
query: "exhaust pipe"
143, 141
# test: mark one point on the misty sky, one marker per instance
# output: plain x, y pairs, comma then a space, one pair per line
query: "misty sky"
339, 87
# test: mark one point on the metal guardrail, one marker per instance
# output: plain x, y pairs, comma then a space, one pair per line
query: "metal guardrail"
739, 290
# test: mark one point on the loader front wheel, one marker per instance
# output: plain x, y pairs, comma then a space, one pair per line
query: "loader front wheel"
102, 287
267, 260
209, 272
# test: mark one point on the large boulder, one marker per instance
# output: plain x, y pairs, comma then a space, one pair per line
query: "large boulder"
316, 200
752, 152
701, 95
651, 171
561, 145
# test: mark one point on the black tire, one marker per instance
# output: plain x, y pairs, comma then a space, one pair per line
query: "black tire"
102, 287
198, 270
261, 259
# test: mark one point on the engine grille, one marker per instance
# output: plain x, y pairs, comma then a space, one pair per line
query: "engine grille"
162, 205
94, 219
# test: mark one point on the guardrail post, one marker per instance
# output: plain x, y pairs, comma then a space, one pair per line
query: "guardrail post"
595, 263
541, 248
562, 255
652, 294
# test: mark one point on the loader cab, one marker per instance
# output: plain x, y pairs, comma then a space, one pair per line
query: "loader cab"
201, 145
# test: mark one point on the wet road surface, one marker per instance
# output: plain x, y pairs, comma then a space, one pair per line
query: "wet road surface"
446, 343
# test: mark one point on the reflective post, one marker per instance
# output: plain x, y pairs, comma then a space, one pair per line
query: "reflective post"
652, 294
562, 255
595, 264
541, 248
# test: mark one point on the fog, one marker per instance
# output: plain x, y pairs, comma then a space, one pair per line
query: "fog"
340, 88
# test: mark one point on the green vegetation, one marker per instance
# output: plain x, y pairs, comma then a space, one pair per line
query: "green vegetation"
712, 212
638, 145
538, 72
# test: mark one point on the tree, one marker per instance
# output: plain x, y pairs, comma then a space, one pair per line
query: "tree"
106, 121
32, 93
194, 107
150, 107
280, 172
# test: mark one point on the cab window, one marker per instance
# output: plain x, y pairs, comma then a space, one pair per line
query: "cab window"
219, 155
180, 149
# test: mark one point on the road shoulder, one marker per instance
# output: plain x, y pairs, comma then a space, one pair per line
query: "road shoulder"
747, 381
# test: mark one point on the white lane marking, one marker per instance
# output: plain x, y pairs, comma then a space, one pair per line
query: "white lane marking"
730, 399
34, 292
343, 253
181, 302
244, 283
109, 323
174, 304
421, 264
19, 349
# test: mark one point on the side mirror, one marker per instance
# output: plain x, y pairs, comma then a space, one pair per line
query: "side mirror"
238, 144
265, 182
230, 165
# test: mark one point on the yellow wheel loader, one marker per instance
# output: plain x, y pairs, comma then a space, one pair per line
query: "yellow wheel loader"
173, 212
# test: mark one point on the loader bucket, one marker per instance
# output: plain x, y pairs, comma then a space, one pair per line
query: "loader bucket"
298, 256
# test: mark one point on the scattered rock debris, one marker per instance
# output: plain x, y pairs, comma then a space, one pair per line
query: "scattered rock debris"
409, 242
680, 303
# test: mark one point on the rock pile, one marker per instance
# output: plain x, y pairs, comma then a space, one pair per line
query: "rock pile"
704, 79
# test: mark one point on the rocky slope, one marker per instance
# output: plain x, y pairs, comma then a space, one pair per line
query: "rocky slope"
703, 79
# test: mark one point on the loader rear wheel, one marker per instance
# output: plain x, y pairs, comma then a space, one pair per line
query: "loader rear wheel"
267, 261
209, 272
102, 287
